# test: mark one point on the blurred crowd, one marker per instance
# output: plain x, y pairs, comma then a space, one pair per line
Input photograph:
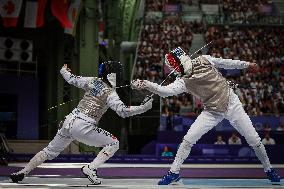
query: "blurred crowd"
260, 92
157, 39
158, 5
234, 139
244, 11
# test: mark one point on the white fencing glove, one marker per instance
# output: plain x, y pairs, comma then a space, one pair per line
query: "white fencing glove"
138, 84
144, 84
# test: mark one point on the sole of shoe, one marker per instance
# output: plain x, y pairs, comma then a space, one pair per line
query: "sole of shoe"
275, 183
178, 181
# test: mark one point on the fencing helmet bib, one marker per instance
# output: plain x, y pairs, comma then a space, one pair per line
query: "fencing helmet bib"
111, 72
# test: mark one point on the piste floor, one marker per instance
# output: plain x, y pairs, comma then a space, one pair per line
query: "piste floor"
119, 176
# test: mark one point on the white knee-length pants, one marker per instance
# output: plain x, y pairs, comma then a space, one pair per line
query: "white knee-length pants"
78, 127
235, 114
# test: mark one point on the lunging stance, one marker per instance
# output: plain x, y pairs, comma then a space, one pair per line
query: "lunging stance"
81, 123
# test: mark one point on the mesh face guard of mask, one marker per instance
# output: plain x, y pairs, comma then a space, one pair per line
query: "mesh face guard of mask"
108, 68
173, 60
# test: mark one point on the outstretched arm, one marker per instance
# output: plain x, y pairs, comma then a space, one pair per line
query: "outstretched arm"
228, 63
175, 88
118, 106
77, 81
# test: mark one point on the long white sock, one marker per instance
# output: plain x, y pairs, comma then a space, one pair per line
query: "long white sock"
260, 152
99, 160
182, 153
106, 153
38, 159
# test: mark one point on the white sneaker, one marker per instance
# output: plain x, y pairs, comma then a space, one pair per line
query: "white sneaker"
91, 175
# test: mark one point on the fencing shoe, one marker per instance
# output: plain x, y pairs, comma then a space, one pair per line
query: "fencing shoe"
169, 178
273, 176
16, 177
91, 175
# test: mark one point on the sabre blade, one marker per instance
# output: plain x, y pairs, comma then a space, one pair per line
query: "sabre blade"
122, 86
200, 49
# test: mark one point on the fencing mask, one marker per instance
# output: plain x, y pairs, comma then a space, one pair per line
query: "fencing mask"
180, 62
112, 73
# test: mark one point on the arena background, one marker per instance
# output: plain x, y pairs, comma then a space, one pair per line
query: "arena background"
34, 98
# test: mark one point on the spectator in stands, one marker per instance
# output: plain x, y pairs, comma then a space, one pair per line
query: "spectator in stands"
257, 89
156, 40
185, 105
167, 152
169, 121
244, 11
175, 106
267, 140
154, 5
266, 127
165, 107
168, 114
280, 127
197, 26
220, 140
198, 109
234, 139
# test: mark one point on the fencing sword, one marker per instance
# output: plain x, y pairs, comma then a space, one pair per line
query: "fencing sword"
201, 48
174, 68
63, 103
122, 86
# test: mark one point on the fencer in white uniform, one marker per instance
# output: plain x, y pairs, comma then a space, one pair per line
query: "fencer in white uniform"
201, 78
81, 123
